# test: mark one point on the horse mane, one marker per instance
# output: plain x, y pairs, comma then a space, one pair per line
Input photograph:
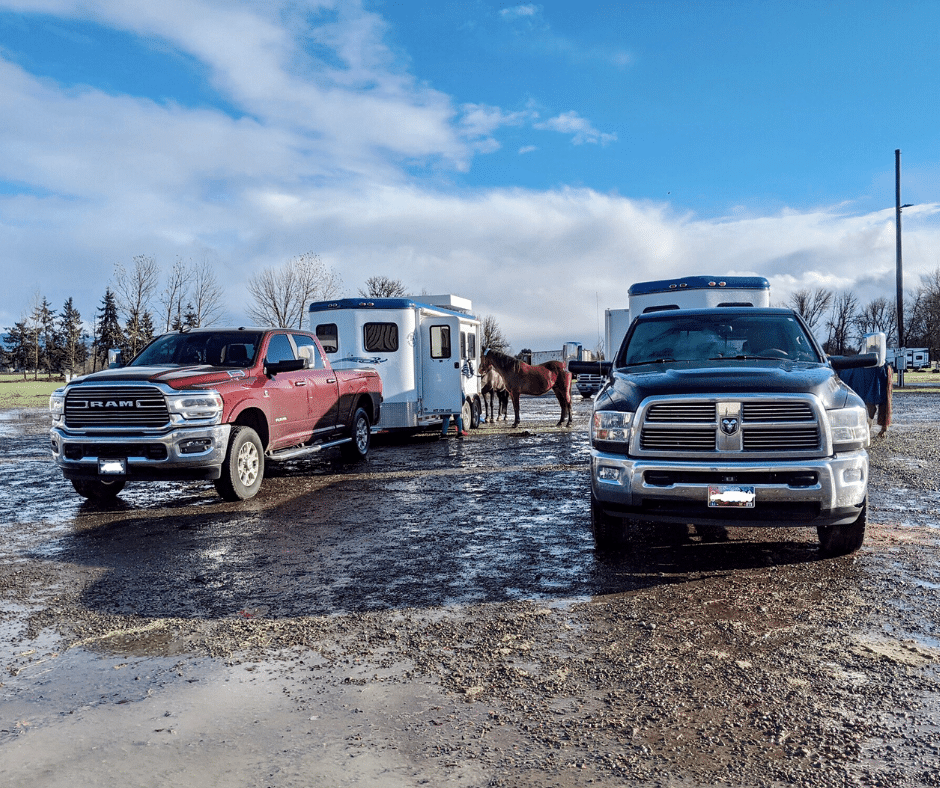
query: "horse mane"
505, 361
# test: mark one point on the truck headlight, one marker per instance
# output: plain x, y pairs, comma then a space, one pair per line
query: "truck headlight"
612, 426
196, 405
57, 405
849, 428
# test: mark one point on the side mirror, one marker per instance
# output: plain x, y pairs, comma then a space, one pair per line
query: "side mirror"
589, 367
854, 362
876, 343
115, 359
288, 365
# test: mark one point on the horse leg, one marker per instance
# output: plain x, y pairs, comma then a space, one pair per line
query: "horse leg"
567, 377
504, 404
515, 407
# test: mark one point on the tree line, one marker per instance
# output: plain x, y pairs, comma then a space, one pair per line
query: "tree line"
135, 308
840, 321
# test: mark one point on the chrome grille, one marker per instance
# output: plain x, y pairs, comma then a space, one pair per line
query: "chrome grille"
733, 426
681, 411
688, 439
115, 406
777, 411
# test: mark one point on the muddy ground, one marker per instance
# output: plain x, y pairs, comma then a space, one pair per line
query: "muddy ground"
438, 616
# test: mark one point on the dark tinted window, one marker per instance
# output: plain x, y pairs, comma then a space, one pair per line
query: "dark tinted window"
380, 337
328, 335
279, 349
440, 341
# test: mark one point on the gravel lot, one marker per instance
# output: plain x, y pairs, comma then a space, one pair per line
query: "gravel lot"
438, 616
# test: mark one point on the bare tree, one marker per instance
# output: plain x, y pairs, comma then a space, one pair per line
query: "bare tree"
206, 295
493, 337
878, 315
922, 327
383, 287
841, 319
133, 292
811, 304
173, 296
281, 295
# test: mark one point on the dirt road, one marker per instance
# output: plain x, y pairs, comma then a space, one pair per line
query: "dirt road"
439, 616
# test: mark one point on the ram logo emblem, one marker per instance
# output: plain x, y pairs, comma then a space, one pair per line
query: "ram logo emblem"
729, 425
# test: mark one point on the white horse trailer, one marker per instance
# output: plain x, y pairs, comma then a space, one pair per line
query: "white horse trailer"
426, 349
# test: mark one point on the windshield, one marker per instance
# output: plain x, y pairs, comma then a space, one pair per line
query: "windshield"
699, 337
217, 349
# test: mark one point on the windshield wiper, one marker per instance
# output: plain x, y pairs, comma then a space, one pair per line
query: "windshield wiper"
654, 361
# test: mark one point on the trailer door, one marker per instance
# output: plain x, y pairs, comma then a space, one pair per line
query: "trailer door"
440, 364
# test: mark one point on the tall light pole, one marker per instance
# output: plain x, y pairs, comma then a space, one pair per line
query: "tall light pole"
899, 270
897, 219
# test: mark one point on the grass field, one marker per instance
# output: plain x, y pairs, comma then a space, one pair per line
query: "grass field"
18, 393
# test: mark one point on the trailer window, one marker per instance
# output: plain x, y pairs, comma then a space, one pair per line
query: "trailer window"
440, 341
471, 346
328, 335
463, 345
380, 337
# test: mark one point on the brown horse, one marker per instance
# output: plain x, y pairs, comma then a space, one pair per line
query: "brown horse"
492, 385
522, 378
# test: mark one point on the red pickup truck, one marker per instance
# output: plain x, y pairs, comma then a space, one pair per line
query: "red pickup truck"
210, 404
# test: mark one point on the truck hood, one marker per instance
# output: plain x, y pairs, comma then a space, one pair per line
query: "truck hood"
627, 389
199, 376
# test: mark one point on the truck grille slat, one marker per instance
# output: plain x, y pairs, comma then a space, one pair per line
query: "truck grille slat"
116, 406
765, 426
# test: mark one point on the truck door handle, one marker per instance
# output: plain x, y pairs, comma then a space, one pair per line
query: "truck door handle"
331, 380
301, 382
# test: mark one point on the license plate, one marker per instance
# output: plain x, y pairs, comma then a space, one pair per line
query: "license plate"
736, 495
112, 467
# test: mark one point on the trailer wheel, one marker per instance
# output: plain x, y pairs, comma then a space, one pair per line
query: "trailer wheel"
466, 413
361, 434
475, 410
243, 468
608, 530
98, 489
843, 539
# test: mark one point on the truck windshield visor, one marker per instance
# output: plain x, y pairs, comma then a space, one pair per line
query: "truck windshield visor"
677, 338
216, 349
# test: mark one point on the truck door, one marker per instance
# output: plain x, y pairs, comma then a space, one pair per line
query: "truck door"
288, 419
322, 386
440, 365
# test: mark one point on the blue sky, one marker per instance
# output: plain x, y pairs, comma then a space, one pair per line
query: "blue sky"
536, 158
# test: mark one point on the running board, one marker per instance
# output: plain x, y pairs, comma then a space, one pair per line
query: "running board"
303, 451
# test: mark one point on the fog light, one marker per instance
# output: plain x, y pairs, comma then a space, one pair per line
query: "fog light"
195, 445
852, 475
607, 473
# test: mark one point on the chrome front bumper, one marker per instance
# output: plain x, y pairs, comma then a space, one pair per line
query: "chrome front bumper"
190, 453
620, 486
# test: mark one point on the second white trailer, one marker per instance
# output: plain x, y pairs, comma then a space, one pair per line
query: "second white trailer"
425, 348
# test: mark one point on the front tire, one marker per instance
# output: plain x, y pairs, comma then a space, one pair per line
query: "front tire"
243, 468
843, 539
361, 434
98, 489
608, 530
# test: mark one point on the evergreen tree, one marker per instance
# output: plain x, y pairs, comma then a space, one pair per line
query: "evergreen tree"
20, 339
108, 333
72, 340
45, 348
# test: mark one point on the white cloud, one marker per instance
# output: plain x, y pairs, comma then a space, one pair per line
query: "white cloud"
315, 162
579, 128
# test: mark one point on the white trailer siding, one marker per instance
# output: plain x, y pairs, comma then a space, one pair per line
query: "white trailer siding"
394, 336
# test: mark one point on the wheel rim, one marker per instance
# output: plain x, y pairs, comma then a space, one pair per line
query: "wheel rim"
248, 463
362, 435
